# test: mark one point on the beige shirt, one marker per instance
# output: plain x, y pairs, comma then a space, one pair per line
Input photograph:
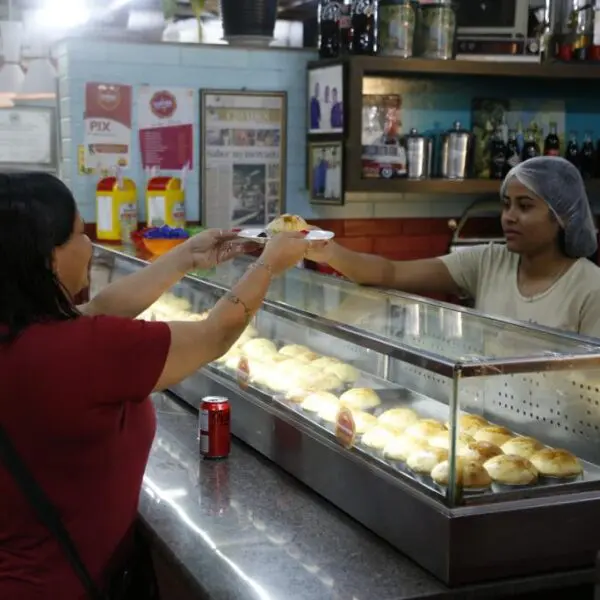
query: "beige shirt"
489, 275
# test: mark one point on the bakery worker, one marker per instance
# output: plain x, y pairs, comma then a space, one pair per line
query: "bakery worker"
541, 275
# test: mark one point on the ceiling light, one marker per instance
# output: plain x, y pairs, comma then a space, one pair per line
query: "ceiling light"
39, 81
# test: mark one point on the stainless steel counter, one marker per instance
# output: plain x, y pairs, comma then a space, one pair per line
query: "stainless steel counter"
242, 529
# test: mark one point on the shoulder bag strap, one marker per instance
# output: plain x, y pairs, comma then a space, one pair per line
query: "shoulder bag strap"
46, 512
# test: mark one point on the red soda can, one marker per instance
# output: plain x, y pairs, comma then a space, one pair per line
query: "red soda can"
214, 430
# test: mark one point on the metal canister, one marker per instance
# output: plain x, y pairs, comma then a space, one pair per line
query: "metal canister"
397, 25
457, 145
214, 427
419, 150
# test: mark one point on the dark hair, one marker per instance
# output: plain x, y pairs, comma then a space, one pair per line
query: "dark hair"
37, 215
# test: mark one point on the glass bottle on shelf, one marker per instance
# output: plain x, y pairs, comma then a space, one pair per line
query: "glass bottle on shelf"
345, 26
513, 155
498, 155
552, 142
587, 159
364, 26
572, 150
530, 147
329, 28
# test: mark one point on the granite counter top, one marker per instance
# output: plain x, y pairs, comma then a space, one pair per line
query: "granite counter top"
242, 529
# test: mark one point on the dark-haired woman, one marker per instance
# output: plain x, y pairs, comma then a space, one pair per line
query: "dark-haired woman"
541, 275
74, 384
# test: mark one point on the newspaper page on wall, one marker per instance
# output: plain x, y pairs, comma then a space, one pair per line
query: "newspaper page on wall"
243, 157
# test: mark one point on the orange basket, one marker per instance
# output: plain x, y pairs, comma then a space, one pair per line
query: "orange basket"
158, 246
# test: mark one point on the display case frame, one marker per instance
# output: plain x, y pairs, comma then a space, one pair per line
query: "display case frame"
451, 541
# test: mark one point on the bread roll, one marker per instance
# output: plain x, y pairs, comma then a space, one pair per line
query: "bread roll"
329, 412
442, 440
398, 418
363, 421
494, 434
423, 461
425, 428
327, 382
508, 469
360, 398
294, 350
400, 447
478, 451
470, 474
324, 362
316, 400
522, 446
346, 373
552, 462
470, 424
259, 348
289, 366
305, 378
377, 437
287, 222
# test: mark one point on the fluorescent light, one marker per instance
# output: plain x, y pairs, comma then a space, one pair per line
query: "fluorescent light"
39, 81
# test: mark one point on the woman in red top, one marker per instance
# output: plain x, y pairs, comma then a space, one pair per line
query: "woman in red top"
74, 382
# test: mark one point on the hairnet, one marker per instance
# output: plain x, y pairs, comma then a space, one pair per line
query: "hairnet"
561, 186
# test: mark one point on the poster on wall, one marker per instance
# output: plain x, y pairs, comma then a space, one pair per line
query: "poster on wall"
326, 99
166, 127
243, 157
107, 126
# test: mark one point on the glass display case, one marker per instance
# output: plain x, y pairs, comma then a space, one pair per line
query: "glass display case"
432, 425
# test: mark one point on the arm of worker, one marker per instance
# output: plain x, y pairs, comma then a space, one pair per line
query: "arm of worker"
133, 294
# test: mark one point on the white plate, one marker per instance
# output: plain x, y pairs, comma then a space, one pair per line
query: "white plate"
261, 236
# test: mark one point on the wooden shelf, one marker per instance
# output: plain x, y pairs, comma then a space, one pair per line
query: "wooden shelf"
385, 65
439, 186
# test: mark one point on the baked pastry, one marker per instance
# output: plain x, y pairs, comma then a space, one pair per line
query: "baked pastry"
377, 437
442, 440
470, 424
327, 382
363, 421
287, 222
494, 434
470, 474
402, 446
259, 348
324, 362
360, 398
316, 400
424, 460
522, 446
425, 428
329, 412
509, 469
305, 378
297, 351
346, 373
398, 418
553, 462
478, 451
289, 366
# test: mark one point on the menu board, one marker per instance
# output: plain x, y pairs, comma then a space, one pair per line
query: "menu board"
28, 137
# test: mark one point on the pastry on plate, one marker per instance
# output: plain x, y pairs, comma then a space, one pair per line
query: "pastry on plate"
424, 460
287, 222
478, 451
259, 348
377, 437
522, 446
425, 428
347, 373
402, 446
315, 401
509, 469
360, 398
494, 434
470, 424
470, 474
398, 418
553, 462
442, 440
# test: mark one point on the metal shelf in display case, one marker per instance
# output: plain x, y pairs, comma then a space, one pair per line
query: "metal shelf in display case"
440, 361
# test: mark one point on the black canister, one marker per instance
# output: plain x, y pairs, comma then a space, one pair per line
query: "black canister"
398, 20
248, 18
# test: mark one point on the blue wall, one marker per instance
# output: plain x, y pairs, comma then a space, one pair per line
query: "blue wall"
179, 65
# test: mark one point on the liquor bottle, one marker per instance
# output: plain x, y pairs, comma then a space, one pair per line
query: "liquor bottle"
513, 156
552, 143
329, 28
520, 137
345, 26
364, 26
498, 155
587, 160
572, 150
530, 147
